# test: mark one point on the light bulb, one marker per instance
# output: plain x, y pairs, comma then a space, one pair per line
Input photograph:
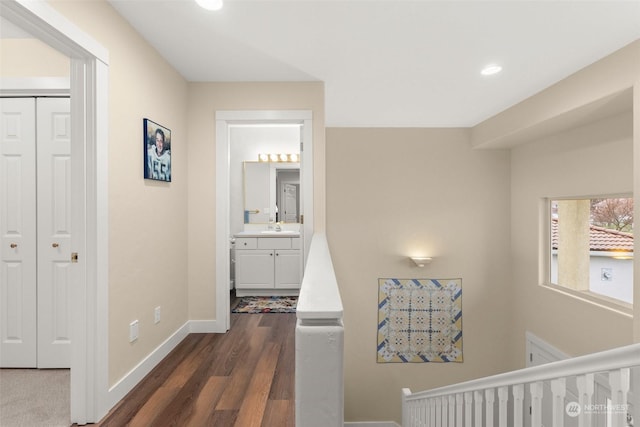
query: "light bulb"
210, 4
491, 69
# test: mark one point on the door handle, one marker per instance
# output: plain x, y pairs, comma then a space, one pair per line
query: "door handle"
13, 245
54, 245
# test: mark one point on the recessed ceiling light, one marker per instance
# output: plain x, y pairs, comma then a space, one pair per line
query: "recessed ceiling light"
491, 69
210, 4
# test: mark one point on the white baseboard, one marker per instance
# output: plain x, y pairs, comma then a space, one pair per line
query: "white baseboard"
371, 424
134, 376
205, 327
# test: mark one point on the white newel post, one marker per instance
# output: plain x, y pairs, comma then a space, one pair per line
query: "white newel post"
319, 343
407, 418
319, 376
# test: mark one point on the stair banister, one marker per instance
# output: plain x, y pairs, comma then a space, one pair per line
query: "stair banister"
478, 395
319, 342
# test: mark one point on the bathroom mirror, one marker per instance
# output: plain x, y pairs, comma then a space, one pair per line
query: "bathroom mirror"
271, 192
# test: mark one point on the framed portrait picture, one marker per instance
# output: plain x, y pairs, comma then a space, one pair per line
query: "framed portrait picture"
157, 151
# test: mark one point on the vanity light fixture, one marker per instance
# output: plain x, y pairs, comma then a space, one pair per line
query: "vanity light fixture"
421, 261
279, 158
210, 4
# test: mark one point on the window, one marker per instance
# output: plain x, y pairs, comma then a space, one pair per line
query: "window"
592, 246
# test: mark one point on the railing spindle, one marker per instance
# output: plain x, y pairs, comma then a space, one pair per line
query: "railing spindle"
477, 397
586, 388
518, 403
432, 413
558, 391
503, 401
489, 396
459, 409
425, 414
468, 405
452, 410
536, 390
619, 382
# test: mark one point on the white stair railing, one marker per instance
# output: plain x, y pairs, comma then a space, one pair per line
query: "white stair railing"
500, 400
319, 343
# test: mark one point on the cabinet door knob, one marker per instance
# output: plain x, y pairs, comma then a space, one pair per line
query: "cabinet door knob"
54, 245
13, 245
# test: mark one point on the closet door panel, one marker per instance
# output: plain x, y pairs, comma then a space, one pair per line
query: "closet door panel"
18, 287
54, 235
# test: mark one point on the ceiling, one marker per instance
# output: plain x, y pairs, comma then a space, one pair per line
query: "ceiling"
390, 62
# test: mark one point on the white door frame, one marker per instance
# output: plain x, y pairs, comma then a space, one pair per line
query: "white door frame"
89, 107
224, 119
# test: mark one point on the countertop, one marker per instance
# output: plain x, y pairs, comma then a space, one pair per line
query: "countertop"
268, 233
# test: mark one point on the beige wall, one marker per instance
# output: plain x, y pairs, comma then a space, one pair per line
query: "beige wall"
147, 219
31, 58
567, 142
610, 75
593, 160
204, 100
394, 192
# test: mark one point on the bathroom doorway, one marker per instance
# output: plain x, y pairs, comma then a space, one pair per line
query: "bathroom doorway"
225, 122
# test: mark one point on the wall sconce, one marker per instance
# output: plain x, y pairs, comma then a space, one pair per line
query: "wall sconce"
421, 261
279, 158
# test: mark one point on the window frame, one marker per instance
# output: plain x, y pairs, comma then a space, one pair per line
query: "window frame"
546, 254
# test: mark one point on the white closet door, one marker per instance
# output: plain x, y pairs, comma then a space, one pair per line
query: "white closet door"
17, 233
54, 235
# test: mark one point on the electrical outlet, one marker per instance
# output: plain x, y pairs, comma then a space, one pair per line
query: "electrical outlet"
133, 331
156, 315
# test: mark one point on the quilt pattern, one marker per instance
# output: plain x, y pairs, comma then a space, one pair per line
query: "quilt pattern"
419, 320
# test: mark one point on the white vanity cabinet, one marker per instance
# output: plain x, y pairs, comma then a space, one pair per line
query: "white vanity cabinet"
268, 265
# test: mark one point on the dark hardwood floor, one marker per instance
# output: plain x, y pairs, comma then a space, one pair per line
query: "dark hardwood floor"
242, 378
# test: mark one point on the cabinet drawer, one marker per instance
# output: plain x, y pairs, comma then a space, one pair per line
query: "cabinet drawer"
246, 243
274, 243
295, 243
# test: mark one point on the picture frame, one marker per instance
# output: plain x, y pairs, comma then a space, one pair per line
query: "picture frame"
157, 164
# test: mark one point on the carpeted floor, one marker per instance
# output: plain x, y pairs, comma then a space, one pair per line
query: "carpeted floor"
266, 305
34, 398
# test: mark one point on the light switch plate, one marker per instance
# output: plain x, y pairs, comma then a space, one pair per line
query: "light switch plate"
133, 331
